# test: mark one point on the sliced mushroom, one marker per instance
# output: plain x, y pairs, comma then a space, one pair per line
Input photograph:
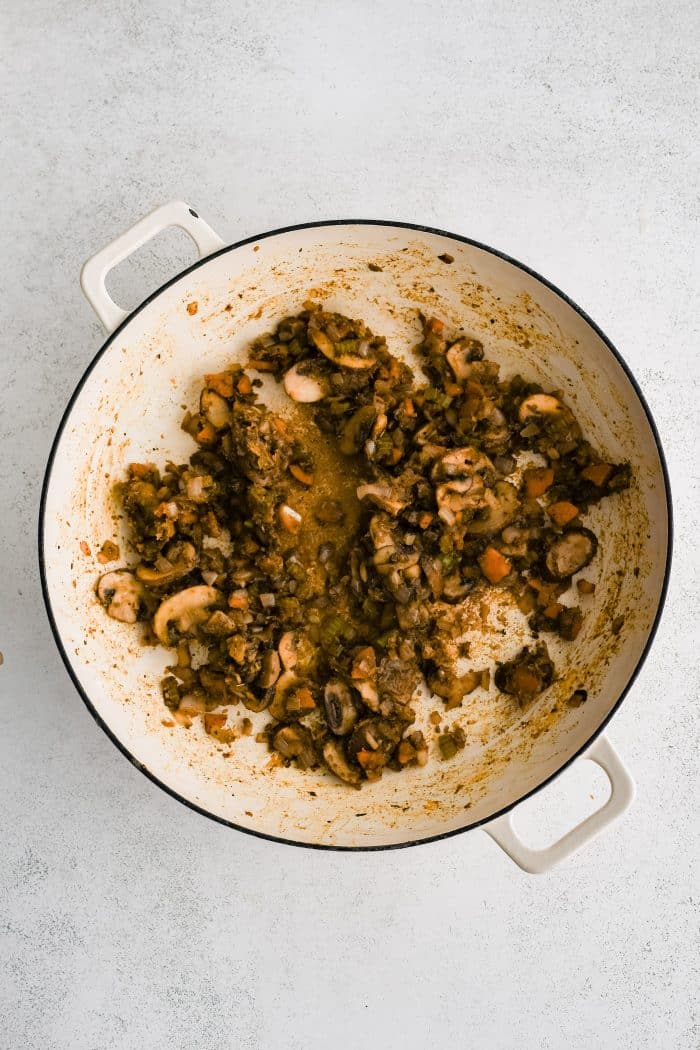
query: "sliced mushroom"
497, 432
381, 531
455, 588
179, 559
255, 701
539, 405
335, 759
341, 713
185, 609
369, 693
515, 540
306, 389
287, 649
500, 506
455, 497
296, 742
461, 355
389, 560
270, 670
368, 422
348, 353
215, 408
571, 551
460, 463
293, 698
121, 594
384, 497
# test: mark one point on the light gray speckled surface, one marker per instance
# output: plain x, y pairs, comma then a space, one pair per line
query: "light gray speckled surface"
564, 134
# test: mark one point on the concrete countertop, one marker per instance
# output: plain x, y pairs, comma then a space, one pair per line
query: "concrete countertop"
565, 135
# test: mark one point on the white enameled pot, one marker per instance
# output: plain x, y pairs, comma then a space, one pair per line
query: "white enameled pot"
127, 407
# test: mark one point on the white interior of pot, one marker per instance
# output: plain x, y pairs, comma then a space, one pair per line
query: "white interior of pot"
130, 408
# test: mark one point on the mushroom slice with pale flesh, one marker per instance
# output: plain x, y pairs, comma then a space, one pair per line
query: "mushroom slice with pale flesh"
460, 463
306, 389
537, 405
121, 594
296, 742
293, 699
383, 496
179, 558
455, 497
348, 353
271, 668
215, 409
569, 553
501, 505
335, 759
341, 713
368, 422
185, 609
368, 691
460, 357
287, 649
461, 471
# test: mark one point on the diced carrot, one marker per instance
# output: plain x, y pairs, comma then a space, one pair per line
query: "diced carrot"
598, 473
108, 552
192, 308
563, 512
525, 681
436, 326
238, 600
141, 470
494, 565
221, 382
301, 701
305, 477
214, 720
585, 586
552, 611
538, 480
370, 760
85, 548
206, 434
406, 752
280, 425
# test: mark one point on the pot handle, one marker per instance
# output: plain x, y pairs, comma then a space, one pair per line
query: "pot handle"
93, 273
537, 861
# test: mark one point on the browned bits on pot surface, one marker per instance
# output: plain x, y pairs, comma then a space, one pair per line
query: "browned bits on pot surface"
320, 558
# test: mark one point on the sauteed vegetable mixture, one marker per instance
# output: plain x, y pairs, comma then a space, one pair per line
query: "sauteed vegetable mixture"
314, 564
